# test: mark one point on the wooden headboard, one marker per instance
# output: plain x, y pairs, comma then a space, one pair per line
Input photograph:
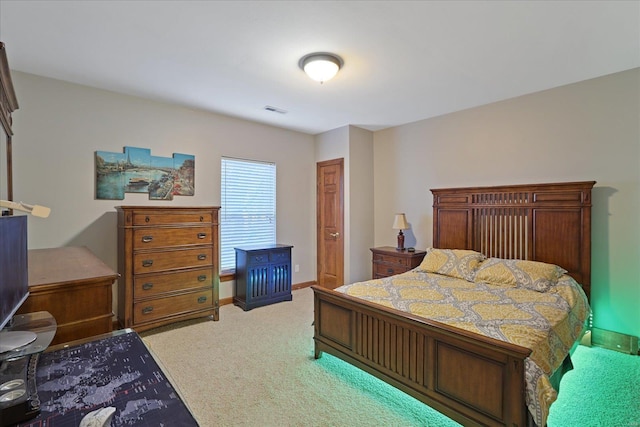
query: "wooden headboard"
539, 222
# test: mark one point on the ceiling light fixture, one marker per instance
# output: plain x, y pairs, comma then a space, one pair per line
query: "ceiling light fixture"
321, 66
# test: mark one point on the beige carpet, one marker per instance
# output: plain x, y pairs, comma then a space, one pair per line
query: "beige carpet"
256, 368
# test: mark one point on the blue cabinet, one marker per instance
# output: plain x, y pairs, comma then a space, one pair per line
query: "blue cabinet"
263, 275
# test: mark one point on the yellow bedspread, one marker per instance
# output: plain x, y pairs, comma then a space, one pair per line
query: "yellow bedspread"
548, 323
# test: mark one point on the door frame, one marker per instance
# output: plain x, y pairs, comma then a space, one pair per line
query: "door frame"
320, 221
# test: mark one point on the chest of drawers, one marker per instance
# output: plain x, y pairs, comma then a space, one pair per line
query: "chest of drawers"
74, 286
168, 260
388, 261
263, 275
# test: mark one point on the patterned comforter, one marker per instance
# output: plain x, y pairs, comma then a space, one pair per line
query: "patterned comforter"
548, 323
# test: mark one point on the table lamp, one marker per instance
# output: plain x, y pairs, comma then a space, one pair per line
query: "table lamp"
400, 223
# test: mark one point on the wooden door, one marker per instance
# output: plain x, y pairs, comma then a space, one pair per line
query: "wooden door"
330, 223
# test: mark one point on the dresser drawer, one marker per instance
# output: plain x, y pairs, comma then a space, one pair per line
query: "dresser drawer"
279, 256
151, 262
390, 259
166, 218
146, 311
257, 258
388, 270
148, 238
155, 284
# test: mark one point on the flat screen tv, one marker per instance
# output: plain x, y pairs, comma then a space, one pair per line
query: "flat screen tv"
14, 278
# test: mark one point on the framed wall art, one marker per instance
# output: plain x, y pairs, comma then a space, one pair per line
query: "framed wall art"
135, 170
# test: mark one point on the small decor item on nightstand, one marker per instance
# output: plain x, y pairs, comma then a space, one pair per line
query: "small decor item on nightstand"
400, 223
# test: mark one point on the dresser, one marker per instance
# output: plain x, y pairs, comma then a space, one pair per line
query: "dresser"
388, 261
263, 275
74, 286
168, 260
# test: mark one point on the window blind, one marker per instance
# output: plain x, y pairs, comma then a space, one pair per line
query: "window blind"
248, 211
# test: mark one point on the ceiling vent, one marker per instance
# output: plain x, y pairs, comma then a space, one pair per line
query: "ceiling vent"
275, 109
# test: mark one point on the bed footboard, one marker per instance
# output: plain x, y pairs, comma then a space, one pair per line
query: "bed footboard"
472, 379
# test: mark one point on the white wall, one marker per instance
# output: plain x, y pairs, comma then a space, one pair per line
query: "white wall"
330, 145
59, 126
355, 146
585, 131
580, 132
361, 191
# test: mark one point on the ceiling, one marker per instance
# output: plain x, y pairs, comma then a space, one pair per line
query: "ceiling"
403, 61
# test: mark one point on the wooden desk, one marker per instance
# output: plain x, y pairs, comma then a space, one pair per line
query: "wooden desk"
74, 286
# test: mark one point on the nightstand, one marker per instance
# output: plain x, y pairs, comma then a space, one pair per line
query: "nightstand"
388, 261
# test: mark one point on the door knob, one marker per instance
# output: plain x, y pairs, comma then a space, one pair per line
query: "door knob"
334, 234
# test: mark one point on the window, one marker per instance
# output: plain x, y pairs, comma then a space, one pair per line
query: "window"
248, 211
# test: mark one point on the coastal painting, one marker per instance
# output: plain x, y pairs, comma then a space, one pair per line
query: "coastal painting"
137, 171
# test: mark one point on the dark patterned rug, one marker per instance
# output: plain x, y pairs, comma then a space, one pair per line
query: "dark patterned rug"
117, 371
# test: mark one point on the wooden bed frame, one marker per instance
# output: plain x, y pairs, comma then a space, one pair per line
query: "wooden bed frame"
473, 379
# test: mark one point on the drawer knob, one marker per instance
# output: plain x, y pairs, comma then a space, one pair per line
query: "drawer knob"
202, 300
390, 270
147, 310
147, 286
147, 263
147, 239
202, 278
202, 257
147, 219
202, 235
201, 218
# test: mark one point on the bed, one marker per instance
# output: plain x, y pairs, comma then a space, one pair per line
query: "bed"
471, 377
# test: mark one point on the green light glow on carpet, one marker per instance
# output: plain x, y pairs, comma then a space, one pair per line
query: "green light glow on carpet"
602, 390
414, 412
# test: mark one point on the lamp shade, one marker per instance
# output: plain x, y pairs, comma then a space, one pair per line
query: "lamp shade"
400, 222
321, 66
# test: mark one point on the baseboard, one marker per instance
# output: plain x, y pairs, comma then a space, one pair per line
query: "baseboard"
295, 287
615, 341
225, 301
302, 285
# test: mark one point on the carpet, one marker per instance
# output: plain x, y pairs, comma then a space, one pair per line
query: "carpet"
603, 389
257, 368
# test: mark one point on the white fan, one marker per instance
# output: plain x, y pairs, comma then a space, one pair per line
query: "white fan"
35, 210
